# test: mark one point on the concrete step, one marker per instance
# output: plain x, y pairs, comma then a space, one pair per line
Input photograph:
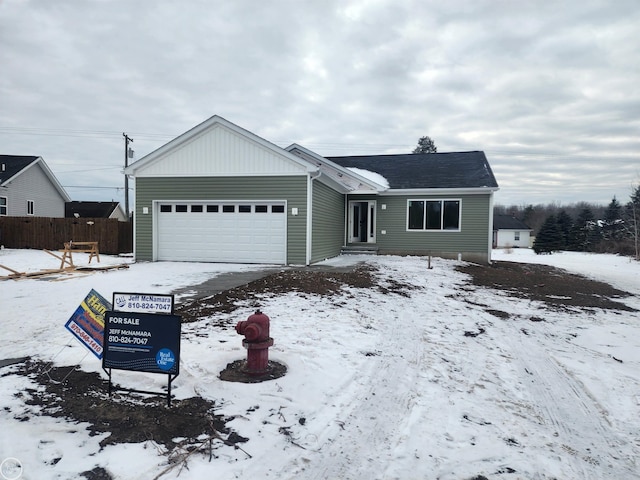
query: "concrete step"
359, 250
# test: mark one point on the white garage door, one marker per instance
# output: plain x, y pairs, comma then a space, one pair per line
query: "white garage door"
235, 232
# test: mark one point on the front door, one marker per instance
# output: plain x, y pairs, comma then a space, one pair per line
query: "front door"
362, 222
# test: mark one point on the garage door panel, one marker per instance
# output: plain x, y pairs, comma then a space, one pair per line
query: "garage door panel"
241, 232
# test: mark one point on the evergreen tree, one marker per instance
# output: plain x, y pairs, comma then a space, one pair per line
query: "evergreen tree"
613, 226
549, 238
586, 231
632, 214
565, 223
425, 145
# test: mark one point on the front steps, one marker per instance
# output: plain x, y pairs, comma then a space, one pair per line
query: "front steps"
359, 249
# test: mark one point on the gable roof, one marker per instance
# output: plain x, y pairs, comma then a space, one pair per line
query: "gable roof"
456, 170
508, 222
348, 180
13, 165
206, 126
90, 209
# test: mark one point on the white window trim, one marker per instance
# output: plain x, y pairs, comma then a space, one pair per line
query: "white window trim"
425, 230
33, 207
5, 206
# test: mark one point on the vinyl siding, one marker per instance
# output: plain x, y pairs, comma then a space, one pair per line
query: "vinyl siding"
33, 184
291, 189
472, 242
327, 222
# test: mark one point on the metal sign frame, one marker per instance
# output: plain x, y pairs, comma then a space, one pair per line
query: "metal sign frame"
142, 342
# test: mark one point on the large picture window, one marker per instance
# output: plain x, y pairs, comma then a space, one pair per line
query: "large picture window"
429, 215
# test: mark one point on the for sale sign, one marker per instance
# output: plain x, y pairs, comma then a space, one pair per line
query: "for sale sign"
142, 342
87, 322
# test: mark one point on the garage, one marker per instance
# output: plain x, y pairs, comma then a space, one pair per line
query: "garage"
221, 231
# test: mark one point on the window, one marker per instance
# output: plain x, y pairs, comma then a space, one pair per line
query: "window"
261, 209
197, 208
29, 207
181, 208
431, 215
516, 236
165, 208
244, 208
212, 208
3, 206
277, 209
228, 208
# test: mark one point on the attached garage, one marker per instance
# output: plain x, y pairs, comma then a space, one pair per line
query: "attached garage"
222, 231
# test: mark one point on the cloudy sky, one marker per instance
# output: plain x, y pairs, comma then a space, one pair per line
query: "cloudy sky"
549, 90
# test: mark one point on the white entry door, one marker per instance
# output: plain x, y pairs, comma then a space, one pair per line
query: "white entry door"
233, 232
362, 222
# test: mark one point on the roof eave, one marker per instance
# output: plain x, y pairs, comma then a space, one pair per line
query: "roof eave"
341, 171
441, 191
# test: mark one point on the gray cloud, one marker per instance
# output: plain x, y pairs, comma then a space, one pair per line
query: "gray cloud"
548, 90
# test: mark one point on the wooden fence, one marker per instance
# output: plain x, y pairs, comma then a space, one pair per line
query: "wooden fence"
113, 237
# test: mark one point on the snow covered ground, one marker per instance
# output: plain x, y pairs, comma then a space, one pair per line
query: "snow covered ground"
379, 386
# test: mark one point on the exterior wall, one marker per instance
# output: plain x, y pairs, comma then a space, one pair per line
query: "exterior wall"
33, 184
472, 242
220, 151
327, 222
292, 189
506, 238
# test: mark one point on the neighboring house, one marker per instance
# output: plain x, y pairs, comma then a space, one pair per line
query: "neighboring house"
219, 193
508, 232
95, 210
28, 187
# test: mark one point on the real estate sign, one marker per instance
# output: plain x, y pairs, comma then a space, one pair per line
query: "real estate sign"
142, 342
87, 322
142, 302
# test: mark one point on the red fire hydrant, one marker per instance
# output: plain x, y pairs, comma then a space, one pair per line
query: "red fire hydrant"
257, 342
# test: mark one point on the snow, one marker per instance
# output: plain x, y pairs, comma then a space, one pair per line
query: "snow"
369, 175
389, 386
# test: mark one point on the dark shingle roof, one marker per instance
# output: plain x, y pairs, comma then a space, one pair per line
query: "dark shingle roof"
428, 170
10, 165
507, 222
89, 209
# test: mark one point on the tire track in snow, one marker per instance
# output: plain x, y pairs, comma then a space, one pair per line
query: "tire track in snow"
371, 408
580, 423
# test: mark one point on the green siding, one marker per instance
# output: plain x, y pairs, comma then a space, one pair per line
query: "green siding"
292, 189
472, 242
327, 222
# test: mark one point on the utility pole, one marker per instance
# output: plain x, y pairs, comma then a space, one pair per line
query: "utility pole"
127, 140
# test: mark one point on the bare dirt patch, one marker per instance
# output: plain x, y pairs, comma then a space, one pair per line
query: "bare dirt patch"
554, 286
311, 282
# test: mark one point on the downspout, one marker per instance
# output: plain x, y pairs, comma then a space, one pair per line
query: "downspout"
490, 228
310, 178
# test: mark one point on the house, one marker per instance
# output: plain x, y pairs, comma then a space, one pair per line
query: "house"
95, 210
508, 231
219, 193
28, 187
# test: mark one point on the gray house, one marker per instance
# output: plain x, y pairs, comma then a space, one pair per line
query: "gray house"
219, 193
28, 187
95, 210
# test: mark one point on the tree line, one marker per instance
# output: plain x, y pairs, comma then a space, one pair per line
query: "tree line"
582, 226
